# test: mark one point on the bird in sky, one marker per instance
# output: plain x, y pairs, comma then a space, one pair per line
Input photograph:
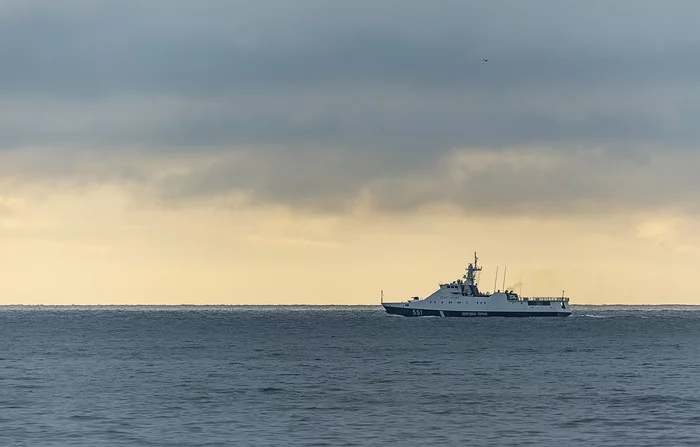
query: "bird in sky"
485, 60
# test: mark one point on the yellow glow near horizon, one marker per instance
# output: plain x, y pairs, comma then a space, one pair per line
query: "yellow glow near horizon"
103, 248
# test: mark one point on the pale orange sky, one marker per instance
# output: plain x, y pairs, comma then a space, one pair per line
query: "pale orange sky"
69, 246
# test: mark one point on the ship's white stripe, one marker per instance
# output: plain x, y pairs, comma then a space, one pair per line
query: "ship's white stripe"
442, 314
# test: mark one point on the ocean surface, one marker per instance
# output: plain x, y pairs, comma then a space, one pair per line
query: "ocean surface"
167, 376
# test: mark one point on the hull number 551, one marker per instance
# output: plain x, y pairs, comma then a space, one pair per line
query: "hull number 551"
417, 312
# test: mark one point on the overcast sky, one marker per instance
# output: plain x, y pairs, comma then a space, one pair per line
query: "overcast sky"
327, 108
314, 102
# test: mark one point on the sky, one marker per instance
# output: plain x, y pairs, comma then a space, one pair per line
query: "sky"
318, 152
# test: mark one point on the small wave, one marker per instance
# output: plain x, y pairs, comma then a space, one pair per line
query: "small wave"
270, 389
381, 380
570, 349
595, 316
583, 421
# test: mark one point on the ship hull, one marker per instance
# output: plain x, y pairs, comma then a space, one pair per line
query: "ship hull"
413, 312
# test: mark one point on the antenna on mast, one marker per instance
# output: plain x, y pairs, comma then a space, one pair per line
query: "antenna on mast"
495, 280
505, 270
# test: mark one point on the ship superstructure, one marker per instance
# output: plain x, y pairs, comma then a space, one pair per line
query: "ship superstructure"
462, 298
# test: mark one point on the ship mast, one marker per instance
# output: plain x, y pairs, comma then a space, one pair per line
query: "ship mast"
470, 276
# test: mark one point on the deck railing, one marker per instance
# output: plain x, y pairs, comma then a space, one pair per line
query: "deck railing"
545, 298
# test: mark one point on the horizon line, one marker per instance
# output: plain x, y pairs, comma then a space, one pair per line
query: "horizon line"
304, 305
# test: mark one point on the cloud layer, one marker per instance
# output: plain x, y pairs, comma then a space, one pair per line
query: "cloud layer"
331, 106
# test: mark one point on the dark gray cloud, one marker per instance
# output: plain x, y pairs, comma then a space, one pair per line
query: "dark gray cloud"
516, 182
210, 47
314, 102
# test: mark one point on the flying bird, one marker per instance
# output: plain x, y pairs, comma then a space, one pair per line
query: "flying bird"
485, 60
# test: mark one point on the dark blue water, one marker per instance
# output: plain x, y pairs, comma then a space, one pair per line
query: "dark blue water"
605, 376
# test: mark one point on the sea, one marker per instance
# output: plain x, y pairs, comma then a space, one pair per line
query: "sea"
347, 376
